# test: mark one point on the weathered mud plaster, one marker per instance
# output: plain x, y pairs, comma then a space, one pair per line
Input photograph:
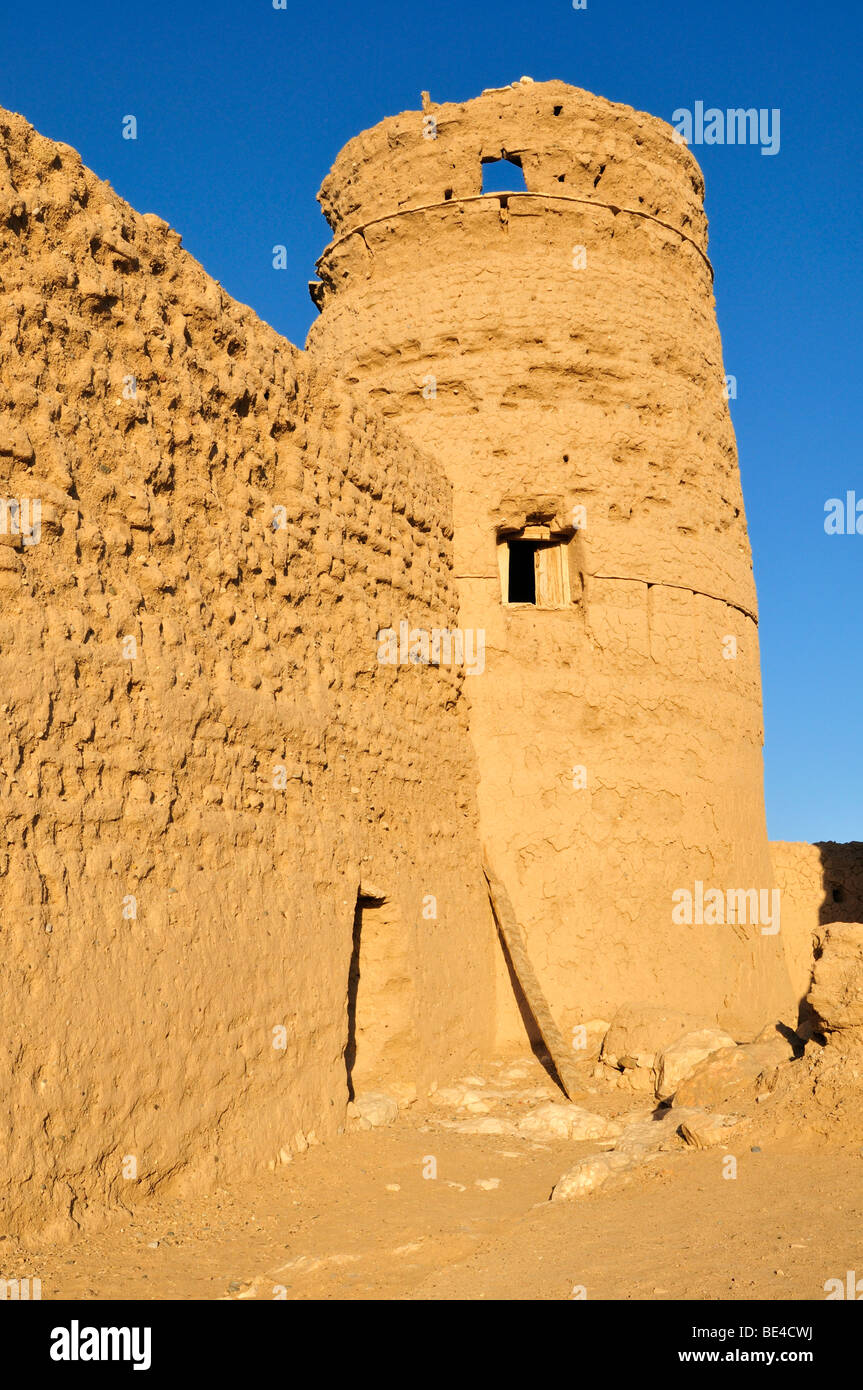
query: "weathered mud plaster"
820, 884
557, 350
241, 856
203, 762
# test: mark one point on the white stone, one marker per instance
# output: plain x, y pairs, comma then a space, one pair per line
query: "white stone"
705, 1131
558, 1121
638, 1079
643, 1138
462, 1098
639, 1032
588, 1175
637, 1061
372, 1110
517, 1071
679, 1060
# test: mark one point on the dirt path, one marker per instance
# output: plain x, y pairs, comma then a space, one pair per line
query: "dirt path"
357, 1219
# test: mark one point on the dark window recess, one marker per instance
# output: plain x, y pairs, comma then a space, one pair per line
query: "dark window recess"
447, 193
502, 176
838, 895
522, 572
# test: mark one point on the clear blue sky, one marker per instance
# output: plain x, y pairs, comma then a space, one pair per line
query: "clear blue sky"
242, 108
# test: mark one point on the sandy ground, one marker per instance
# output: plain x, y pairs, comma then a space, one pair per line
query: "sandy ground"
357, 1219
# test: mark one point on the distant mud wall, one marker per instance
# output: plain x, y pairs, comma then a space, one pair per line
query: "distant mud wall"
203, 762
820, 883
557, 349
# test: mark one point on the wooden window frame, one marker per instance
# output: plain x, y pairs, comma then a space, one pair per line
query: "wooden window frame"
551, 572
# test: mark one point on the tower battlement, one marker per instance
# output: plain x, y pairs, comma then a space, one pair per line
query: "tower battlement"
568, 143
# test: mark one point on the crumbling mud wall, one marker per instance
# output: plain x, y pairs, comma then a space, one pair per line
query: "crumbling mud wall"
820, 884
203, 762
557, 349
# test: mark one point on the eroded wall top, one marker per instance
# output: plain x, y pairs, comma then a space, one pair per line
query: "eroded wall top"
569, 143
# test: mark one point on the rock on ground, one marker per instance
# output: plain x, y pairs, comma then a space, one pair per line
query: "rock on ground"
639, 1031
638, 1036
640, 1141
588, 1175
655, 1133
705, 1131
556, 1121
372, 1110
462, 1097
680, 1059
594, 1036
732, 1073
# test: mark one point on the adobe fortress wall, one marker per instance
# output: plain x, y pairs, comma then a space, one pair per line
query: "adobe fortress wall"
557, 349
202, 761
820, 884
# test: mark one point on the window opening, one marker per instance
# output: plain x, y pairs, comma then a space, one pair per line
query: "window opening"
504, 175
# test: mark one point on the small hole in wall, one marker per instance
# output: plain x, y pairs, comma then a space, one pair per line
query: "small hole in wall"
557, 110
561, 178
566, 458
447, 193
838, 895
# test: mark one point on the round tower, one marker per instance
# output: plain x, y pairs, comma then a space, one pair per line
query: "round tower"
554, 345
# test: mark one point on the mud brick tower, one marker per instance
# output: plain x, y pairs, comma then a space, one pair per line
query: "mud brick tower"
555, 347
